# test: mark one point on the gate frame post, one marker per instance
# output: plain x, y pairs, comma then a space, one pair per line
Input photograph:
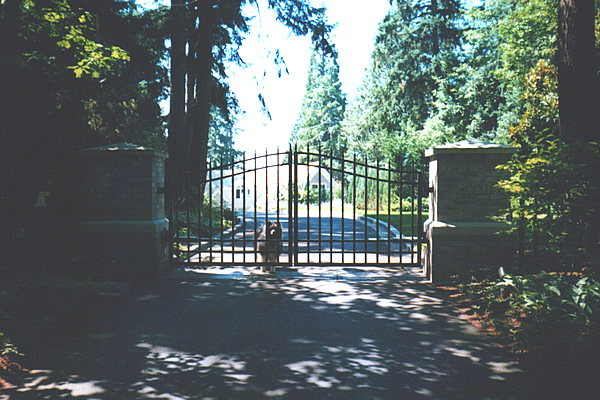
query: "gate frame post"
461, 234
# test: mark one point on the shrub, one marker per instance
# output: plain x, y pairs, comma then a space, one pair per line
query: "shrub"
210, 221
567, 303
312, 195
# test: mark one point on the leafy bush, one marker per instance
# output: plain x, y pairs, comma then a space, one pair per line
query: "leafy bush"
409, 204
312, 195
554, 185
210, 221
567, 304
538, 311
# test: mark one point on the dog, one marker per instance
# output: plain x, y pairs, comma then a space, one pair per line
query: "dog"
268, 244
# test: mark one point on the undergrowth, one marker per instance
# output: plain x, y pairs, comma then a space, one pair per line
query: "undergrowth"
536, 311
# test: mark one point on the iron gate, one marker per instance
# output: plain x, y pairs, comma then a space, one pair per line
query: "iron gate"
333, 211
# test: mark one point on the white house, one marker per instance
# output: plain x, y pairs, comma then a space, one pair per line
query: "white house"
263, 186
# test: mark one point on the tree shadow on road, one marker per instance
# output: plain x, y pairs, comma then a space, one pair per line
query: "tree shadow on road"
300, 335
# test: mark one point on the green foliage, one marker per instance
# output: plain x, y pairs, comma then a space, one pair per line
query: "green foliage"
221, 146
553, 185
319, 124
561, 299
417, 46
371, 188
538, 311
310, 195
440, 74
68, 38
527, 33
6, 346
409, 204
212, 219
551, 308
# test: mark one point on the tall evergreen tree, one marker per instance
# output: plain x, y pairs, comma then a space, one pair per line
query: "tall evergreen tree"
221, 144
416, 46
320, 120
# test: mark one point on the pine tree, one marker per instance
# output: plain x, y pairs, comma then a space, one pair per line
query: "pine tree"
320, 121
221, 144
416, 47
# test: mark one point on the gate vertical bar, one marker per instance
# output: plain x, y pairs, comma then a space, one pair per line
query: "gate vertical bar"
389, 212
401, 198
320, 208
412, 213
377, 212
343, 177
366, 206
295, 186
233, 217
221, 214
200, 202
330, 205
277, 199
266, 186
210, 217
420, 216
308, 203
244, 206
354, 210
255, 207
291, 229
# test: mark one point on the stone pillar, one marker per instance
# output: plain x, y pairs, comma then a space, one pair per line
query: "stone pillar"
123, 208
461, 235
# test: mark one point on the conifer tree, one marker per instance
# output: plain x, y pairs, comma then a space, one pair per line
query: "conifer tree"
417, 46
320, 121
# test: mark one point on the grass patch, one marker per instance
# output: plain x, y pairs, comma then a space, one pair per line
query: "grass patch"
410, 225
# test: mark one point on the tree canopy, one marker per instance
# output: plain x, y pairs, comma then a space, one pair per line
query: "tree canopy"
206, 36
73, 74
320, 121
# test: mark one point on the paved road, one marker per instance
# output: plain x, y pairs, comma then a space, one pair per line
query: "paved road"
308, 334
323, 233
337, 238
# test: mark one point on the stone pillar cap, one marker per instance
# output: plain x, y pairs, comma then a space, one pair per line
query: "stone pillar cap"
129, 148
471, 146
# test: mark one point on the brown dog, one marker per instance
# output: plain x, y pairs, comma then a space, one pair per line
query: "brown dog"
268, 244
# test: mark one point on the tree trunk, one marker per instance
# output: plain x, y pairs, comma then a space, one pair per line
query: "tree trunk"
203, 64
176, 137
577, 69
578, 90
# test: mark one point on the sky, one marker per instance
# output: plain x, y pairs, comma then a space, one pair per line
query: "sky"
353, 37
354, 34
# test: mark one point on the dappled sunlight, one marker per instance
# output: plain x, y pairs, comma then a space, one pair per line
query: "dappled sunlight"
43, 380
307, 333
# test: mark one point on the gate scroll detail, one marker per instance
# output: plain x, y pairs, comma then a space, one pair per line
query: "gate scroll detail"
333, 211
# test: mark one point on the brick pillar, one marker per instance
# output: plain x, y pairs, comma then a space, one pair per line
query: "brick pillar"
124, 208
461, 234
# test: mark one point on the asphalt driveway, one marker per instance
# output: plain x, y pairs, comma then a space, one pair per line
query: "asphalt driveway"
345, 333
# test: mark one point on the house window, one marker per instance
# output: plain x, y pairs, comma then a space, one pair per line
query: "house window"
238, 193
